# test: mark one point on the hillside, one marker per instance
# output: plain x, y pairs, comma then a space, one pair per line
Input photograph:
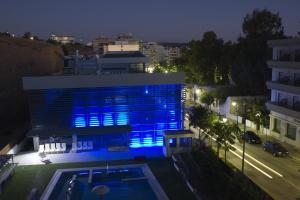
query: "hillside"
21, 57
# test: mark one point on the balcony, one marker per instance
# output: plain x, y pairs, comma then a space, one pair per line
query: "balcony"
284, 86
284, 64
284, 108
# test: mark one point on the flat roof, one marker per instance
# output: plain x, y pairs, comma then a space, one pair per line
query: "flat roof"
60, 131
284, 42
107, 80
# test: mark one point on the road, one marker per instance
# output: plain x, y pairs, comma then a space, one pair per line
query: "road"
278, 176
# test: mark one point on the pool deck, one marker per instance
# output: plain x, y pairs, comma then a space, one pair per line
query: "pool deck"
33, 158
157, 189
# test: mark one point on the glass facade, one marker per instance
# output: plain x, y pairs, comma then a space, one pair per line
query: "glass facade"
149, 110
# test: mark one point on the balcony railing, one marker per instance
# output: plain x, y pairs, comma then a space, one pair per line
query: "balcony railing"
284, 80
288, 81
297, 82
297, 57
291, 111
285, 57
296, 105
284, 103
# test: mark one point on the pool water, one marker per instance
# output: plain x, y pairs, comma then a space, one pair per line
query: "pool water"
124, 184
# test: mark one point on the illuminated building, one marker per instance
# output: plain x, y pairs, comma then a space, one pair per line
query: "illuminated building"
63, 39
110, 110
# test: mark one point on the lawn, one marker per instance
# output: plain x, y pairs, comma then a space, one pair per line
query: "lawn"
38, 176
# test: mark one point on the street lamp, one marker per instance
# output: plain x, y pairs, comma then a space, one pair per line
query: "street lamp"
244, 141
224, 119
234, 104
257, 115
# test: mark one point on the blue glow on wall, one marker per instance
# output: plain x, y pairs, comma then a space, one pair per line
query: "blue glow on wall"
149, 110
122, 118
108, 119
80, 121
94, 121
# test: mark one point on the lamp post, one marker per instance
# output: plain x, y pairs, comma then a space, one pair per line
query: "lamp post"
234, 104
257, 115
244, 141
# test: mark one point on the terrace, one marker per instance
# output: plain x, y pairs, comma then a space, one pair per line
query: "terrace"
38, 176
36, 158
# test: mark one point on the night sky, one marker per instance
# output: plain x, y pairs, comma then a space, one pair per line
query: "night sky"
149, 20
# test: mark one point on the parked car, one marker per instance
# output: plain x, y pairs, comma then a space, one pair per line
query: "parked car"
251, 137
275, 148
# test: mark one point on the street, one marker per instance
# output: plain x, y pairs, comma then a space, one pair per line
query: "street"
278, 176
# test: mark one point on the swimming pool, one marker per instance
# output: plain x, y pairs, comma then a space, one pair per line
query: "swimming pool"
134, 182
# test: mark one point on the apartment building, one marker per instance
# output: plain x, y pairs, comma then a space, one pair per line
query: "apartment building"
285, 90
100, 44
63, 39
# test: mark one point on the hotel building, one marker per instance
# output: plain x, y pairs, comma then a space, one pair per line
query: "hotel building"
285, 90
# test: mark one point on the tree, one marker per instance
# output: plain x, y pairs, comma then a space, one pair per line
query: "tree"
262, 24
5, 34
249, 69
27, 35
207, 99
225, 134
202, 118
259, 114
165, 68
231, 132
217, 130
203, 60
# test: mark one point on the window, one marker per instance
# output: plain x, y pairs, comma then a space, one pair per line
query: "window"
291, 132
139, 67
172, 142
297, 79
277, 124
185, 142
297, 55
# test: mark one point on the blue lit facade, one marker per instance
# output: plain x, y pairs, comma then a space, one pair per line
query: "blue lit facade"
148, 110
